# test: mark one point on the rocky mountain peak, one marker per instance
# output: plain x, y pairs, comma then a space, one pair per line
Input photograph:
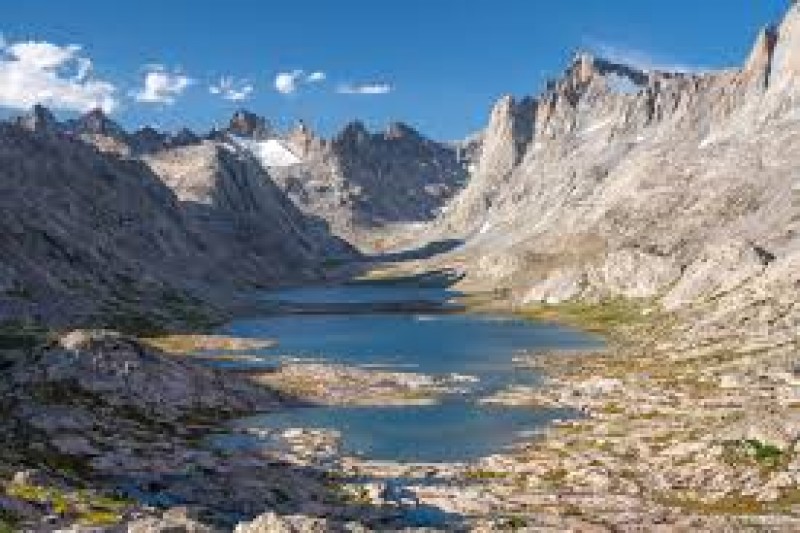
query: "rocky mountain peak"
39, 119
584, 67
96, 122
148, 139
400, 130
759, 62
511, 128
302, 138
185, 137
244, 123
354, 133
785, 61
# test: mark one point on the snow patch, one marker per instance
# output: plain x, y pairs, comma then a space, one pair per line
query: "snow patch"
272, 153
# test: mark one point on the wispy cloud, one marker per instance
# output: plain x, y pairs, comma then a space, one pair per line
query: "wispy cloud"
641, 59
289, 82
232, 89
39, 72
365, 88
162, 86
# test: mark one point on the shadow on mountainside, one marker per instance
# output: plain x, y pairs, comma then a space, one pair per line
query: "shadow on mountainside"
426, 251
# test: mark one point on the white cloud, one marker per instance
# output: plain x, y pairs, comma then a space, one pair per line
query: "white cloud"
365, 88
640, 59
290, 82
38, 72
162, 86
286, 82
232, 89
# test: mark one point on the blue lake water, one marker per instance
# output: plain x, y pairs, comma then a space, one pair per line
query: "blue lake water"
457, 428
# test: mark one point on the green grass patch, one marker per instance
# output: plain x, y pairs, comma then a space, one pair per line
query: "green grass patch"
735, 505
752, 451
604, 317
485, 475
99, 518
8, 522
514, 523
88, 508
555, 476
764, 452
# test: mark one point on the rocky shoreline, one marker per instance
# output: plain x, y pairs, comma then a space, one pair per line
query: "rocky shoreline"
333, 384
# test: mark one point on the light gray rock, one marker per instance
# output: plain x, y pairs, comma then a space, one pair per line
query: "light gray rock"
272, 523
678, 187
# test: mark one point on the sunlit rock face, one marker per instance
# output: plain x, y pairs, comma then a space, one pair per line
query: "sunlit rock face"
622, 182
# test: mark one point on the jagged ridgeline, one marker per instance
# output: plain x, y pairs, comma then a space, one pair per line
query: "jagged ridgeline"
137, 229
614, 182
100, 222
673, 186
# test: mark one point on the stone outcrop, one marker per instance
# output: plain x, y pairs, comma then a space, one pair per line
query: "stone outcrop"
127, 374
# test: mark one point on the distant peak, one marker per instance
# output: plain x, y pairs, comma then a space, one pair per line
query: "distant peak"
760, 60
354, 131
245, 123
96, 122
302, 129
586, 65
784, 59
39, 118
398, 130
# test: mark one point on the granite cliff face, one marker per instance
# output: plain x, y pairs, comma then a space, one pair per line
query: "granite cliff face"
616, 182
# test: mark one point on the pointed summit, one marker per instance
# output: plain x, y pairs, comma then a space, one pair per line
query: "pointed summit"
302, 138
584, 66
244, 123
96, 122
400, 130
147, 140
510, 130
39, 119
353, 133
785, 60
759, 63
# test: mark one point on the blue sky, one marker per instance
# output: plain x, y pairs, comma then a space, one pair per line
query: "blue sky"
436, 64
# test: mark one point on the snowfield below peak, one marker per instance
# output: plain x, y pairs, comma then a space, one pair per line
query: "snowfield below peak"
271, 153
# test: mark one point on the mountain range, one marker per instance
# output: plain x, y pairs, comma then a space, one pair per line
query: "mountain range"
614, 182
